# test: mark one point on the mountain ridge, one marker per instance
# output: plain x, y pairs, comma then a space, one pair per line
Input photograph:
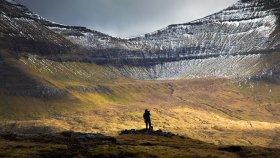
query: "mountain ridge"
245, 30
120, 45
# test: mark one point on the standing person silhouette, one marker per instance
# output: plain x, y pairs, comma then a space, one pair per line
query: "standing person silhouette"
147, 119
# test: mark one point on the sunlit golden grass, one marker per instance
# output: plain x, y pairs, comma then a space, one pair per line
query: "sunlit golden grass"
184, 114
212, 110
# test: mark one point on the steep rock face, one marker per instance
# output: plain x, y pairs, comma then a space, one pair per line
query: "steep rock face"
244, 28
89, 39
234, 43
241, 67
247, 27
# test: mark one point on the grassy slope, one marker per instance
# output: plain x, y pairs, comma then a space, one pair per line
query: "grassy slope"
150, 146
212, 110
21, 94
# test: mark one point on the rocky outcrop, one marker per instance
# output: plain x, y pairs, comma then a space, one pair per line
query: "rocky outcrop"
150, 132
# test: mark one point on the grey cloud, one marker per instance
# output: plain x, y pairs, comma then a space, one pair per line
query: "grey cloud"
125, 18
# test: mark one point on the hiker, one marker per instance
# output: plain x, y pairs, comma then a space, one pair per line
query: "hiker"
147, 119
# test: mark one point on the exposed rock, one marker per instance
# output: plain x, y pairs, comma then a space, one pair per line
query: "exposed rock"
150, 132
231, 43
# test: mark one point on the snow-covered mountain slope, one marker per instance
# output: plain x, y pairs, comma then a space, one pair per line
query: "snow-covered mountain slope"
22, 30
234, 42
241, 67
246, 27
89, 39
37, 34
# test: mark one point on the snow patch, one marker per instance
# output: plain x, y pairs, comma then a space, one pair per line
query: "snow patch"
11, 1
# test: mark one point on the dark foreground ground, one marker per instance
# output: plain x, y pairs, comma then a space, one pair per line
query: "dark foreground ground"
130, 143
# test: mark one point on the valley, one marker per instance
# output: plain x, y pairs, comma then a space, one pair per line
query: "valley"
214, 81
97, 99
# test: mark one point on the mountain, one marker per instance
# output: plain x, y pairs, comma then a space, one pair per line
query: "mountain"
229, 43
215, 79
241, 34
235, 43
244, 34
247, 27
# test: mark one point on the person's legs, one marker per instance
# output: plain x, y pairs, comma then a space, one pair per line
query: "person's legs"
146, 124
150, 124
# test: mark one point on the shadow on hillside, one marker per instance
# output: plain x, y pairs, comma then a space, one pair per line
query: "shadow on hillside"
130, 143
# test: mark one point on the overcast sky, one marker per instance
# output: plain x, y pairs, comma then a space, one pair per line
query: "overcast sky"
125, 18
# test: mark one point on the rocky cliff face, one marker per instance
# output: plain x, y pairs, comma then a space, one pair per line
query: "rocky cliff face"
234, 42
247, 27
